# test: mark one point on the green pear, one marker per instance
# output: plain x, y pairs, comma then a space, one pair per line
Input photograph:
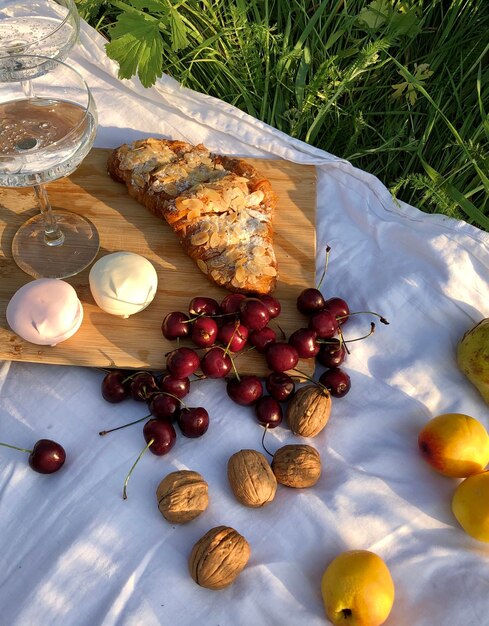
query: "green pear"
473, 357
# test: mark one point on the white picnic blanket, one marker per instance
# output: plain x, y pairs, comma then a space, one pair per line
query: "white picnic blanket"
73, 553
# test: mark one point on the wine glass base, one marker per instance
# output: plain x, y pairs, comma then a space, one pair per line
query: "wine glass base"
36, 258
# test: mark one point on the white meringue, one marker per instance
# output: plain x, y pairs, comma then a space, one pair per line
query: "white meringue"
123, 283
45, 311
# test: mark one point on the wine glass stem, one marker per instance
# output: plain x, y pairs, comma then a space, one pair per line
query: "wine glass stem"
52, 233
27, 88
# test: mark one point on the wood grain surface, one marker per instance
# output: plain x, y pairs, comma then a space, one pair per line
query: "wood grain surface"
108, 341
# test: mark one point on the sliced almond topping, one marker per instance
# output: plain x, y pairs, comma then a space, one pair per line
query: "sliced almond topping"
193, 214
190, 204
269, 271
240, 275
255, 198
199, 239
202, 266
214, 240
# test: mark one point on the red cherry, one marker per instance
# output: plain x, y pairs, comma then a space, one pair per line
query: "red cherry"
245, 390
281, 356
182, 362
310, 301
115, 386
233, 335
305, 342
268, 412
193, 421
273, 305
201, 305
164, 407
336, 381
163, 433
216, 363
332, 353
176, 325
280, 386
324, 324
178, 387
231, 302
142, 385
204, 332
339, 308
47, 456
253, 313
262, 338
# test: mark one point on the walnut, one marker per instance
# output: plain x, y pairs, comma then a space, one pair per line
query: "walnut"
308, 411
252, 480
297, 466
218, 557
182, 496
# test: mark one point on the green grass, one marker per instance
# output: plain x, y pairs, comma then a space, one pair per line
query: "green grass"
397, 88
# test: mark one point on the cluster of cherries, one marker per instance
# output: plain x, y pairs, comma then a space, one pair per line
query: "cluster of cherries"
215, 333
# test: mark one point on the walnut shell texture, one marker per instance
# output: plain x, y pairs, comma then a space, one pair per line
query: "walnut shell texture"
182, 496
308, 411
251, 478
219, 557
297, 465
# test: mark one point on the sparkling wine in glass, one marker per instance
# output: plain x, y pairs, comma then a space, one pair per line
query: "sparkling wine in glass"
47, 28
43, 138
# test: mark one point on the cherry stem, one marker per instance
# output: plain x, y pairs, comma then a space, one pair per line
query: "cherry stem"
381, 318
141, 419
265, 430
309, 378
284, 336
345, 341
7, 445
124, 491
328, 250
342, 339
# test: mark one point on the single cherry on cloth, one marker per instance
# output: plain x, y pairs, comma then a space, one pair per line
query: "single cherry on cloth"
182, 362
245, 390
280, 386
305, 342
193, 421
216, 363
46, 457
142, 385
253, 313
164, 406
161, 433
336, 381
233, 335
268, 412
332, 353
176, 325
178, 387
262, 338
281, 356
204, 332
202, 305
115, 386
310, 301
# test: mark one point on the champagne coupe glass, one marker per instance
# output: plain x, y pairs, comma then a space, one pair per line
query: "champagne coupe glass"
47, 28
43, 138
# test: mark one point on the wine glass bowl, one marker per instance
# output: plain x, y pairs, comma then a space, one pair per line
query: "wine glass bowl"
47, 28
45, 137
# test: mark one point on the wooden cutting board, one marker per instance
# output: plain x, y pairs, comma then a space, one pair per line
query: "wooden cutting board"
107, 341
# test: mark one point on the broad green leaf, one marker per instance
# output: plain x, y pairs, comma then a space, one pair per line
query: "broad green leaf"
137, 46
178, 31
375, 14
